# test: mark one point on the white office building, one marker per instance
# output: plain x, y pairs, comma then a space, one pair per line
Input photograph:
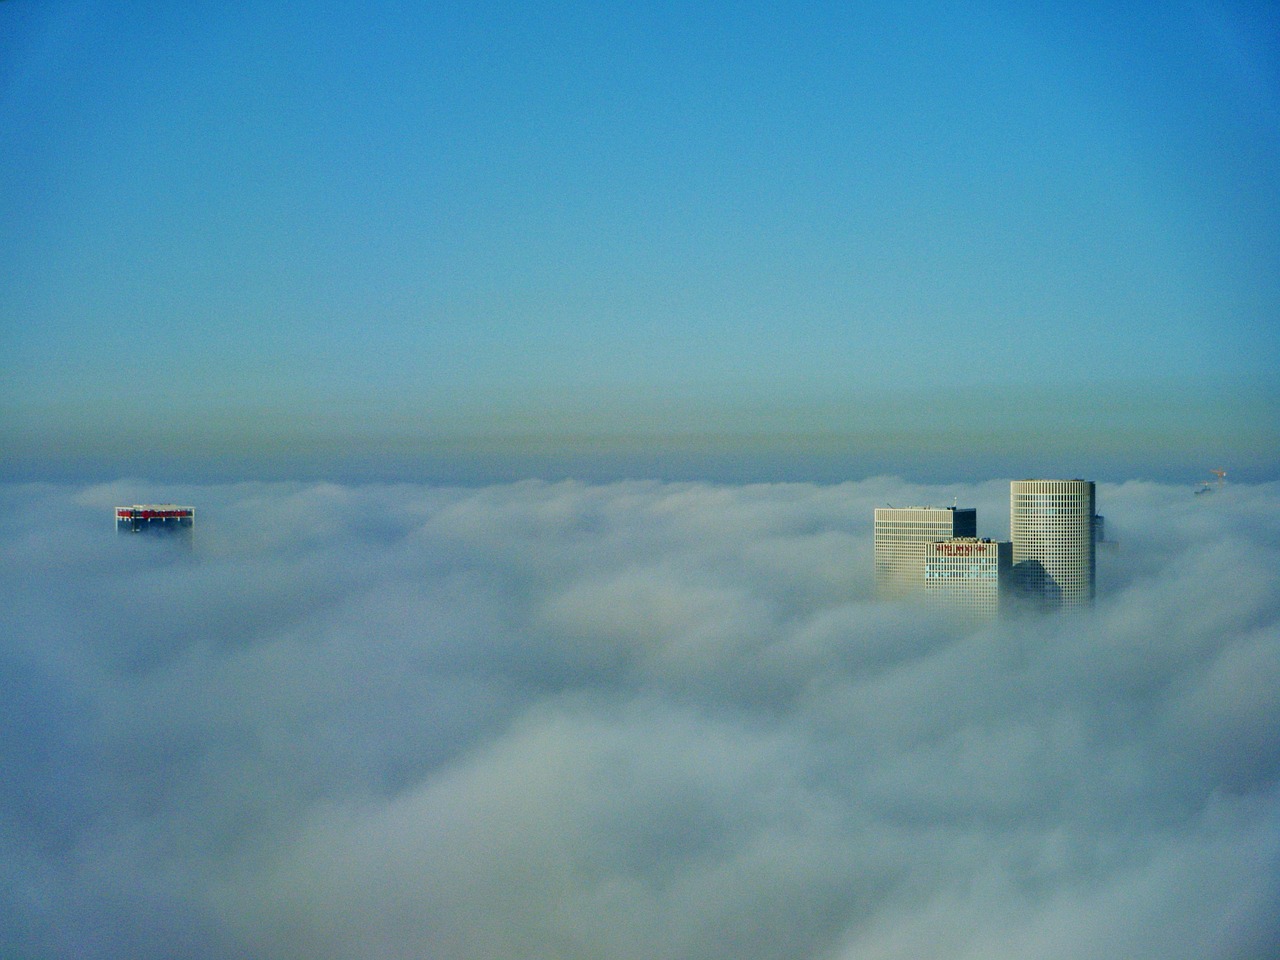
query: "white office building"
901, 536
1051, 523
968, 576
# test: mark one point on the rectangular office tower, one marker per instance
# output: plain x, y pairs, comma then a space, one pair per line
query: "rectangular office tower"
159, 519
901, 535
1052, 527
968, 576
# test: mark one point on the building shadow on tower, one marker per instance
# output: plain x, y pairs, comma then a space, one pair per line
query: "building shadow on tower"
1034, 586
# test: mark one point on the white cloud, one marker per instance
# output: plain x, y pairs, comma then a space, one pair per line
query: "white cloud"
627, 720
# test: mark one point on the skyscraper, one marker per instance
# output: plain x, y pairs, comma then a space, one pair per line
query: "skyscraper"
968, 576
1051, 523
901, 535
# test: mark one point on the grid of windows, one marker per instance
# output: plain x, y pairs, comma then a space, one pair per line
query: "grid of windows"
967, 575
1052, 527
901, 535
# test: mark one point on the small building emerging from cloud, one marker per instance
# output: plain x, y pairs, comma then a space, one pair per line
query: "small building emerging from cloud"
168, 520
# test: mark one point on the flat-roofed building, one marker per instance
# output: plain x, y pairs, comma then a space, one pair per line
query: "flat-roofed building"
968, 576
901, 535
161, 519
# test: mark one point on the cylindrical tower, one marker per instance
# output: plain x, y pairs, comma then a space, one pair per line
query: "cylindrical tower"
1051, 525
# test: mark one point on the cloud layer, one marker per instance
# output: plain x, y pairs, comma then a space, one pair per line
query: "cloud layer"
634, 720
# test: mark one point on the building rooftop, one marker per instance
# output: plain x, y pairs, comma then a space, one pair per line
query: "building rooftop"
148, 511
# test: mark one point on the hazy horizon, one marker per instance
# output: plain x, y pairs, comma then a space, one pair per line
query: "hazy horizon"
961, 231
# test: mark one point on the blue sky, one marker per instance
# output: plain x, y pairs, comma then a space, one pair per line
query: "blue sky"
964, 229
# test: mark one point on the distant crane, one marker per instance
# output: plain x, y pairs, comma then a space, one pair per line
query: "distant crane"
1210, 485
